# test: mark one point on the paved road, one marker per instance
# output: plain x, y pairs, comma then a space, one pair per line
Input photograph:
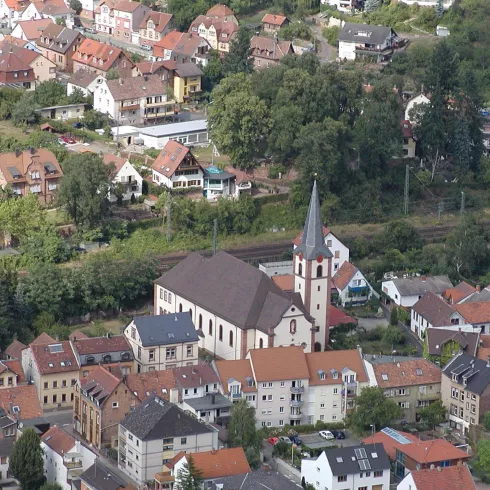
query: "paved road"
133, 48
326, 53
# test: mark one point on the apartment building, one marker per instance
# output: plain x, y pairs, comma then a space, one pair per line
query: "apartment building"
163, 341
101, 401
154, 432
217, 31
412, 384
134, 100
237, 381
128, 17
53, 369
465, 391
336, 378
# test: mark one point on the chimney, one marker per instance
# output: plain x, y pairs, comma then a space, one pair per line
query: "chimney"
17, 152
213, 398
32, 150
488, 361
439, 468
478, 288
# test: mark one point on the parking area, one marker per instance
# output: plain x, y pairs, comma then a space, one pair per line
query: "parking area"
316, 441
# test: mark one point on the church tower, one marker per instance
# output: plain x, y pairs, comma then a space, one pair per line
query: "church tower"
312, 264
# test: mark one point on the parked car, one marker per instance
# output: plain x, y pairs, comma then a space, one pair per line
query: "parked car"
68, 140
338, 434
77, 125
296, 440
326, 434
61, 141
146, 47
273, 440
285, 439
90, 30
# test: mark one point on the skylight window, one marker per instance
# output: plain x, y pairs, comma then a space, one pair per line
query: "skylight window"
384, 377
418, 372
340, 460
51, 364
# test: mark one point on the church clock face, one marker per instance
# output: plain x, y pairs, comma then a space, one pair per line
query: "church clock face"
300, 256
319, 258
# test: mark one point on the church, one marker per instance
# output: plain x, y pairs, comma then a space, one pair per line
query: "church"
236, 307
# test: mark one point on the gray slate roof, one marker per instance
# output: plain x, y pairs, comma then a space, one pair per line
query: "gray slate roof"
375, 34
341, 462
312, 242
434, 309
206, 402
82, 78
413, 286
483, 295
464, 365
159, 419
188, 70
100, 477
438, 337
255, 480
173, 328
229, 288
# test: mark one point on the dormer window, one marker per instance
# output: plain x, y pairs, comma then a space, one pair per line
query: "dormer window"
455, 377
250, 381
321, 374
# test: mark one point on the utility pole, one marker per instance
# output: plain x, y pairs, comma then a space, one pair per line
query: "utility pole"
462, 203
440, 209
407, 186
215, 236
168, 209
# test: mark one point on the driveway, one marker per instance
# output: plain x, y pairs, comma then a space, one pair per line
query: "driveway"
316, 441
326, 53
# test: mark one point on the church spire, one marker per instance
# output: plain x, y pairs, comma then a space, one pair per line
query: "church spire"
312, 244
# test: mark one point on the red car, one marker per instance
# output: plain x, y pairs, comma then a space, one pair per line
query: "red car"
273, 440
68, 140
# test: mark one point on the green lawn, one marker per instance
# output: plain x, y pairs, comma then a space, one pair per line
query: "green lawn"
7, 129
204, 154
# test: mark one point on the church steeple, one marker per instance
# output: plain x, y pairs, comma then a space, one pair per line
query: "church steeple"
312, 243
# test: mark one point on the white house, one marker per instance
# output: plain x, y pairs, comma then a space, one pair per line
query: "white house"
430, 311
64, 457
85, 81
448, 478
413, 104
407, 291
127, 175
57, 11
176, 167
340, 253
30, 30
349, 468
11, 11
352, 287
219, 183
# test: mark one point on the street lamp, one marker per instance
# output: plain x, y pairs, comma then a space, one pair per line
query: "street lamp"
373, 429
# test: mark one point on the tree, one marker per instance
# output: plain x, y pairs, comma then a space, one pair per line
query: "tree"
373, 408
42, 139
113, 74
25, 111
393, 335
371, 5
185, 11
398, 235
242, 431
26, 460
486, 420
77, 96
433, 414
213, 71
94, 119
51, 486
83, 189
50, 93
76, 5
239, 59
483, 454
394, 316
439, 8
189, 477
331, 34
47, 245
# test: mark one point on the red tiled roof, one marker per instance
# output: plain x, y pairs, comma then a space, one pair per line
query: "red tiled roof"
477, 312
276, 20
117, 161
434, 309
238, 370
96, 51
53, 358
181, 43
160, 19
406, 129
344, 275
285, 282
58, 440
44, 338
405, 373
160, 382
10, 62
434, 451
170, 158
100, 380
170, 40
77, 334
297, 240
24, 397
459, 292
14, 366
388, 442
279, 363
151, 67
194, 376
337, 317
33, 28
14, 350
269, 48
127, 6
221, 463
447, 478
219, 10
99, 345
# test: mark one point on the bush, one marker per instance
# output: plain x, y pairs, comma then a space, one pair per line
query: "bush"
331, 34
275, 170
486, 420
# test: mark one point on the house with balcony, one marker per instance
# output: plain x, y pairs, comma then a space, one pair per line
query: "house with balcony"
412, 384
219, 183
187, 81
375, 43
163, 341
65, 459
102, 400
154, 432
154, 26
237, 381
465, 391
124, 174
352, 286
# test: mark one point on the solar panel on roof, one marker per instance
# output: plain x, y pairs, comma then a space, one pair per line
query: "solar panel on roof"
364, 464
360, 453
56, 348
395, 435
14, 172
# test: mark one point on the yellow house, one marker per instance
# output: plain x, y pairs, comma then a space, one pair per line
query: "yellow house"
187, 81
11, 373
409, 143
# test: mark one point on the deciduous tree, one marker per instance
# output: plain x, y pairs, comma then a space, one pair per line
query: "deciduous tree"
433, 414
26, 460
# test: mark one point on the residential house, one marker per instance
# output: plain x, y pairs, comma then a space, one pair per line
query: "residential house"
477, 313
84, 80
15, 72
187, 81
479, 295
389, 438
6, 447
221, 11
268, 51
101, 401
55, 10
214, 464
375, 43
43, 68
21, 43
104, 17
460, 293
111, 351
340, 253
219, 183
154, 383
133, 100
58, 44
232, 327
164, 69
217, 31
260, 478
413, 106
63, 112
100, 477
53, 369
163, 341
345, 6
126, 175
430, 311
351, 285
11, 373
11, 11
449, 478
272, 23
412, 384
128, 17
426, 455
65, 459
176, 167
409, 142
35, 171
442, 344
237, 381
430, 3
182, 48
98, 57
14, 350
336, 378
154, 432
465, 390
31, 30
154, 26
19, 403
352, 467
407, 291
186, 133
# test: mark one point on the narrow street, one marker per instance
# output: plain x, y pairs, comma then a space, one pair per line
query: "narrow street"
132, 48
326, 53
